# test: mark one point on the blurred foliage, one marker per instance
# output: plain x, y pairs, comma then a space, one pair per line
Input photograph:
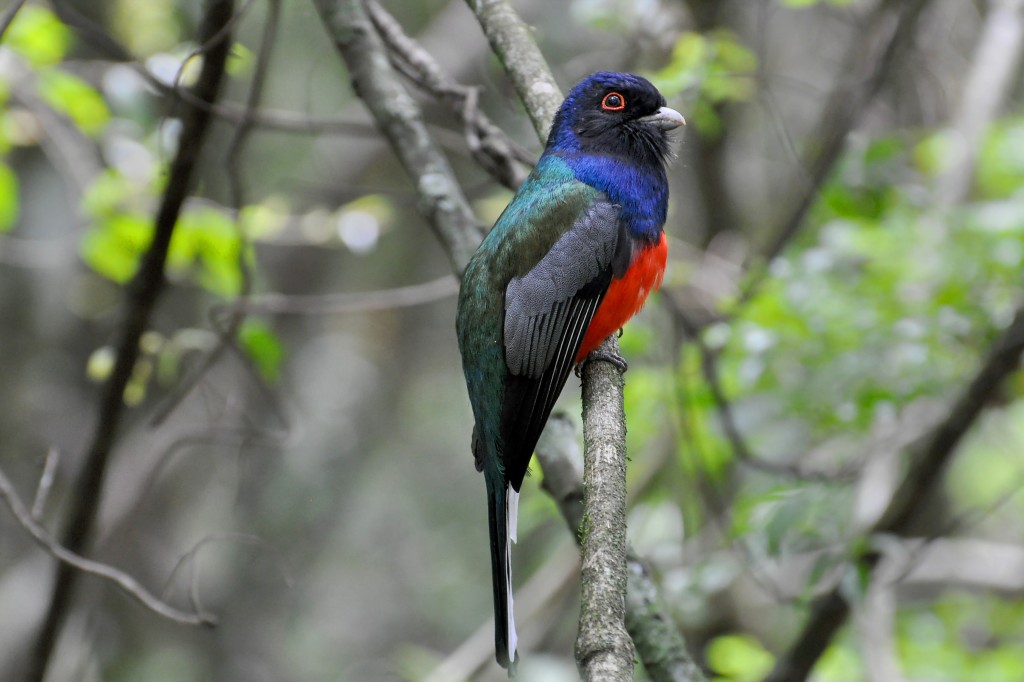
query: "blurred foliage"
885, 302
39, 36
717, 67
738, 658
963, 636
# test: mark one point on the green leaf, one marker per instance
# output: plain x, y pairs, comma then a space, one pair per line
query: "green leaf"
739, 658
108, 194
114, 245
75, 98
935, 153
263, 347
840, 664
8, 197
686, 66
1000, 163
209, 239
240, 60
264, 219
38, 35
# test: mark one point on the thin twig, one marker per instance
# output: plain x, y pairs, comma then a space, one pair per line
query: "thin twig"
100, 40
511, 40
400, 119
741, 449
228, 332
139, 305
487, 143
79, 564
353, 302
191, 558
45, 483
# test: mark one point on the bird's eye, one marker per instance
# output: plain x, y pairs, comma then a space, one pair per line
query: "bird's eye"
613, 101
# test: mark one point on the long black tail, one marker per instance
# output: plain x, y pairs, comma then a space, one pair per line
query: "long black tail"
502, 509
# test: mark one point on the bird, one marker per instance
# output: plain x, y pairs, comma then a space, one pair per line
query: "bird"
570, 260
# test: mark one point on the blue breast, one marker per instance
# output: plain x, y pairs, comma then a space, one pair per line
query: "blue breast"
641, 191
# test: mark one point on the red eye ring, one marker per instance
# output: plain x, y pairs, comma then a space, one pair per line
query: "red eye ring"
613, 101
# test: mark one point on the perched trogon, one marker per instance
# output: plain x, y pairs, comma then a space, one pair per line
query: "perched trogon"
569, 261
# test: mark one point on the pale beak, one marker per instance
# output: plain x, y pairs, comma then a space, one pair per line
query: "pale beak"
665, 119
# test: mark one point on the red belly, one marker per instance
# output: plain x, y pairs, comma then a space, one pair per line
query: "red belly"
626, 295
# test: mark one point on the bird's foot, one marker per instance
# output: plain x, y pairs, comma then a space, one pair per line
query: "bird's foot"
613, 358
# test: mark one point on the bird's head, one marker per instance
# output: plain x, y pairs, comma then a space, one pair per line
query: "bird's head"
617, 114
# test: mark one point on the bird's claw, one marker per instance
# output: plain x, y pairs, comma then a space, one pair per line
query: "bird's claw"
613, 358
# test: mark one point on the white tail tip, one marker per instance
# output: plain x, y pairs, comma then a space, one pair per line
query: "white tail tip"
511, 521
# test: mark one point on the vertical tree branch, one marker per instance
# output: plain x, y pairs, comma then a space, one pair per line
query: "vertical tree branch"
141, 299
658, 641
604, 650
401, 121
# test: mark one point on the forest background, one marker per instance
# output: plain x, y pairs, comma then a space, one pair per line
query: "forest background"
825, 419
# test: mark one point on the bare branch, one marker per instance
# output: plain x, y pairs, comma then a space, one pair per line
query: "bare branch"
139, 305
511, 40
603, 648
353, 302
401, 121
488, 144
658, 642
228, 332
928, 458
127, 583
45, 483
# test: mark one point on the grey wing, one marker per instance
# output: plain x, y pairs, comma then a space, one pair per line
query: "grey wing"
547, 313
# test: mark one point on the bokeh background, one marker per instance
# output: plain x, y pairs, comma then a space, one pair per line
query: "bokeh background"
312, 486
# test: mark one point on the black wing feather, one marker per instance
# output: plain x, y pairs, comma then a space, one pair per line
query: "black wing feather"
547, 313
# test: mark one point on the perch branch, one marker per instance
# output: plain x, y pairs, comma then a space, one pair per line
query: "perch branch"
603, 648
658, 642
